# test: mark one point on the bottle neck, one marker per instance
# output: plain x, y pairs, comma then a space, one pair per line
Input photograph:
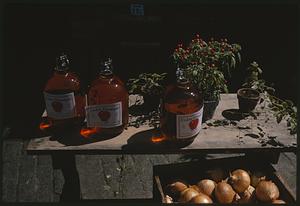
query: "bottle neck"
61, 72
60, 68
106, 74
183, 83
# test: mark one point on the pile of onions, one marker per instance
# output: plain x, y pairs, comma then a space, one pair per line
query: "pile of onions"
248, 196
175, 188
168, 199
239, 180
201, 199
188, 194
267, 191
278, 202
224, 193
256, 177
206, 187
239, 187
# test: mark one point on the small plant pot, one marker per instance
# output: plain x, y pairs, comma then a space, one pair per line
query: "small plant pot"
248, 99
209, 109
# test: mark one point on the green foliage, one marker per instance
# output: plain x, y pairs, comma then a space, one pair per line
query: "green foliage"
205, 64
283, 109
147, 84
255, 81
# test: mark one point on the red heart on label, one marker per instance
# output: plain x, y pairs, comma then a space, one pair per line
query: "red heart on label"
57, 106
104, 115
194, 123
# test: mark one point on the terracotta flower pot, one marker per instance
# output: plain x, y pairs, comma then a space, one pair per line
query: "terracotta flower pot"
248, 99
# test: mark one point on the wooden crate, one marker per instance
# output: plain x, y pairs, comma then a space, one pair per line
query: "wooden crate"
192, 172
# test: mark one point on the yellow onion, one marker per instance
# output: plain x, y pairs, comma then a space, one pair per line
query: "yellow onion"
248, 195
206, 186
266, 191
236, 198
195, 187
176, 188
278, 202
201, 199
216, 174
239, 180
168, 199
187, 194
224, 193
256, 177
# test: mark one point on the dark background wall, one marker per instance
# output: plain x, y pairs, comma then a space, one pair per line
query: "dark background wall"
35, 34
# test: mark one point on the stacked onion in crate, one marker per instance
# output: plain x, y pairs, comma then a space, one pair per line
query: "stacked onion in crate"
239, 186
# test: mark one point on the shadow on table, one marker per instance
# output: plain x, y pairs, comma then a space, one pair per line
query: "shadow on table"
150, 141
234, 114
74, 138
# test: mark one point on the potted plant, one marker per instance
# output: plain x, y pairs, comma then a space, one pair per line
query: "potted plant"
247, 99
248, 96
148, 85
206, 64
282, 109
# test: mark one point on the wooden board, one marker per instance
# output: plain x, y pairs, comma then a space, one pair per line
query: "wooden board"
27, 178
101, 176
247, 134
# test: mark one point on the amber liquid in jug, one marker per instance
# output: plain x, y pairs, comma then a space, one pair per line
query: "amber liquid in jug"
107, 110
182, 111
63, 98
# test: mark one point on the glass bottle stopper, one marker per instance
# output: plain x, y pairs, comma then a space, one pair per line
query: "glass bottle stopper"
62, 63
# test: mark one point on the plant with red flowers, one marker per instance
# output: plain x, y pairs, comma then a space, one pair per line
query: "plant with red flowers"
207, 63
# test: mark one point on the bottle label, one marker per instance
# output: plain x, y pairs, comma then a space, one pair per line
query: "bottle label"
60, 106
189, 125
104, 115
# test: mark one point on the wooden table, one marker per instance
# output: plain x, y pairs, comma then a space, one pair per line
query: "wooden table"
233, 134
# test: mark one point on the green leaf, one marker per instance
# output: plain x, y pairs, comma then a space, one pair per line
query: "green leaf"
232, 62
259, 70
226, 89
289, 102
239, 57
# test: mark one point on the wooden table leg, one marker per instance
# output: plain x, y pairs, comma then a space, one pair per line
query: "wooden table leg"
67, 164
